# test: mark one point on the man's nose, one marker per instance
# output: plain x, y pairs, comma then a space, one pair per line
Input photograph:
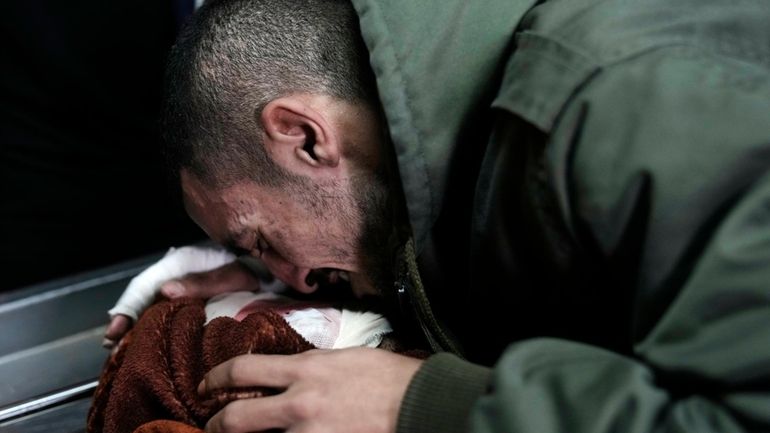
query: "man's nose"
298, 278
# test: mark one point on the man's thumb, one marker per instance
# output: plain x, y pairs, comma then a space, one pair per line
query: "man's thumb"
228, 278
172, 289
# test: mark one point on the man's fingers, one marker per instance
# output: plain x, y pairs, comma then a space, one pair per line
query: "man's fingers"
118, 327
228, 278
256, 414
272, 371
251, 415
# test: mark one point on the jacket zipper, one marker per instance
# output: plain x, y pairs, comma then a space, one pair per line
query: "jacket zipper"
414, 302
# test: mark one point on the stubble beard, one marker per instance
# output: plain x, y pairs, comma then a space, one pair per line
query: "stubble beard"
373, 199
365, 209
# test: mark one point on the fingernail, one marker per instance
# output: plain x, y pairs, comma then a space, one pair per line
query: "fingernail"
202, 387
172, 289
108, 344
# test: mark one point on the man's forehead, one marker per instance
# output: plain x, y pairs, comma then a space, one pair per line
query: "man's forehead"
198, 196
211, 208
193, 190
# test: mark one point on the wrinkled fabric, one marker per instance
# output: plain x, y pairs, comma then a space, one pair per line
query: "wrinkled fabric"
166, 426
158, 365
321, 323
587, 183
176, 263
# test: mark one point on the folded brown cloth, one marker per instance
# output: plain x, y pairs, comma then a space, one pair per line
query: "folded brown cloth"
166, 426
149, 383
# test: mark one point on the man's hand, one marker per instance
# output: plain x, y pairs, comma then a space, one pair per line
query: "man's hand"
228, 278
355, 390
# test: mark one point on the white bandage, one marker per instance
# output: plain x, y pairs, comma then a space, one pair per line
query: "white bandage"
323, 326
177, 262
361, 328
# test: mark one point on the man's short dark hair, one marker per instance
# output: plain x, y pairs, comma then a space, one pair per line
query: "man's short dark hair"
235, 56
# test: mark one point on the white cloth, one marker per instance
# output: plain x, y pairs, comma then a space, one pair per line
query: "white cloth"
321, 325
177, 262
324, 327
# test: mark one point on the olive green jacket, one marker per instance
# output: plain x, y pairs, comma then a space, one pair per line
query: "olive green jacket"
588, 187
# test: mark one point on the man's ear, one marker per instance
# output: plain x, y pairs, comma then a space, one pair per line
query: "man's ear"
299, 137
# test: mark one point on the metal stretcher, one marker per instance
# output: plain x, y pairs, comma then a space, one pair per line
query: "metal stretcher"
50, 348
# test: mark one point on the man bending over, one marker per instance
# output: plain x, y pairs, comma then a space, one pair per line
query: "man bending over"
571, 200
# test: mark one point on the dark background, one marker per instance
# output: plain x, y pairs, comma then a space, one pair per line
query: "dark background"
81, 178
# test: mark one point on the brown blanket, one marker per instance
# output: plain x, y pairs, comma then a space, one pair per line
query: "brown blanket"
149, 384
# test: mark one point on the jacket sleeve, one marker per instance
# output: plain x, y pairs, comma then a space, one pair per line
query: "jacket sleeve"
684, 140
